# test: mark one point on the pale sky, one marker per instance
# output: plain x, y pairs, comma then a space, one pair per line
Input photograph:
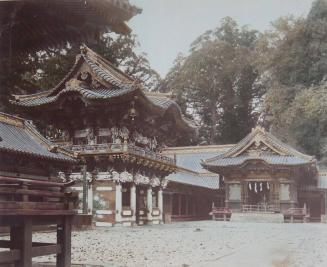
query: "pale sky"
167, 27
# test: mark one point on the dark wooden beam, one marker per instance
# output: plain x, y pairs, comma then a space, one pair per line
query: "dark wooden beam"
64, 240
9, 256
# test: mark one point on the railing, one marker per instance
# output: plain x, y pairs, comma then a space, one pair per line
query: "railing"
260, 208
112, 148
35, 197
22, 201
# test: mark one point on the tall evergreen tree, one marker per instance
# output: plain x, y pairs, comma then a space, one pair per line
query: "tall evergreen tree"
216, 82
295, 57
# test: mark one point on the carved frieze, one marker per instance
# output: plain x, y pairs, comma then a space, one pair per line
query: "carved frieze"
141, 179
164, 183
155, 182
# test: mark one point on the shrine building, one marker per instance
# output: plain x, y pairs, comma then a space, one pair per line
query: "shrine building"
263, 174
34, 192
192, 190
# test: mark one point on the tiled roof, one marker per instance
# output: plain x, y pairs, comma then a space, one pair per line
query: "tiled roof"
206, 181
96, 94
193, 161
111, 83
277, 152
188, 161
20, 136
270, 159
190, 157
162, 102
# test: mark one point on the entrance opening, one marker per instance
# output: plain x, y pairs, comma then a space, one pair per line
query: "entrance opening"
258, 193
141, 203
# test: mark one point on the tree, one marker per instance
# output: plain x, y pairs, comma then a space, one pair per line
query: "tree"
294, 57
216, 82
44, 69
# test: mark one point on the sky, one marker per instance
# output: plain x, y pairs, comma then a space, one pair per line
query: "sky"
168, 27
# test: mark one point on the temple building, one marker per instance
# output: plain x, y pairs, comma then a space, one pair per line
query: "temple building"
192, 190
262, 174
118, 131
33, 192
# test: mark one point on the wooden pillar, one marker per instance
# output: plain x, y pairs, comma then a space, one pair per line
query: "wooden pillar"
245, 198
160, 203
133, 201
90, 199
149, 203
179, 204
64, 240
276, 189
187, 199
194, 212
227, 195
21, 238
118, 204
85, 190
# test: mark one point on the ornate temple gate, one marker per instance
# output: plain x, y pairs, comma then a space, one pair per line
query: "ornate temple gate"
118, 135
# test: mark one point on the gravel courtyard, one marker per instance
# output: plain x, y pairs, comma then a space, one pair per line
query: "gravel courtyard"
204, 243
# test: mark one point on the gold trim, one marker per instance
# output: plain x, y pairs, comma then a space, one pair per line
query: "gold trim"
11, 120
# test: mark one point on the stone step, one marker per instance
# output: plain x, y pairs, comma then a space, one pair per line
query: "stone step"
257, 217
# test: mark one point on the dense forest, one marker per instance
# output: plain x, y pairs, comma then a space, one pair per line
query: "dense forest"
235, 77
232, 78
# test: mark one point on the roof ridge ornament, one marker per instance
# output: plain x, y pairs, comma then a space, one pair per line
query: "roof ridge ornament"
258, 128
83, 48
73, 83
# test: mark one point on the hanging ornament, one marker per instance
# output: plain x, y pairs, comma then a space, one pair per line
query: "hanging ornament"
255, 187
260, 186
250, 187
268, 185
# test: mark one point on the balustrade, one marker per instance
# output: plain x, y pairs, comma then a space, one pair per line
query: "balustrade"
260, 208
113, 147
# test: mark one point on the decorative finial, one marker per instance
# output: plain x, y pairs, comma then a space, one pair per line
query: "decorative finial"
83, 49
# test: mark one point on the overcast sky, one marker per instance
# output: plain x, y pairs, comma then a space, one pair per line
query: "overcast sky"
167, 27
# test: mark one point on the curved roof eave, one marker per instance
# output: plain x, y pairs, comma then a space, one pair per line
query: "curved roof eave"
244, 161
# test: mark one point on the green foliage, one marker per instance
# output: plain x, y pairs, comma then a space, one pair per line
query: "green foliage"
300, 120
295, 56
216, 82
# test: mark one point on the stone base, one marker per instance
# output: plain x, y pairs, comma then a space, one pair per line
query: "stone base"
324, 218
259, 217
103, 224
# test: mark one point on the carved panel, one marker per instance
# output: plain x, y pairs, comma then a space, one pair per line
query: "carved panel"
258, 148
284, 192
235, 192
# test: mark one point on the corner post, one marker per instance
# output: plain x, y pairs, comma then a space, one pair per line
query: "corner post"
85, 190
160, 203
118, 203
149, 203
64, 240
133, 201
